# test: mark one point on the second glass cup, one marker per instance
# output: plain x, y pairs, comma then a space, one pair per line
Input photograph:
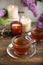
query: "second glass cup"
37, 34
21, 44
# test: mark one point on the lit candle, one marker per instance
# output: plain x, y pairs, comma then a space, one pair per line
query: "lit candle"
26, 22
13, 12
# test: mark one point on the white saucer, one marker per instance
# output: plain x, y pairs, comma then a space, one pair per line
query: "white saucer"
31, 53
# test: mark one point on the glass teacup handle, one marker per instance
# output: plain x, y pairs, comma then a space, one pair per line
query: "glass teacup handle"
31, 40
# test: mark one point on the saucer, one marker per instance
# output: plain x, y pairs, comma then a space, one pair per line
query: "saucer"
30, 53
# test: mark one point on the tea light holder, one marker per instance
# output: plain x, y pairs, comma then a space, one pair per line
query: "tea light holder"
16, 28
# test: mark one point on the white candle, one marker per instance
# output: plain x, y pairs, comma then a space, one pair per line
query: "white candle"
13, 12
26, 22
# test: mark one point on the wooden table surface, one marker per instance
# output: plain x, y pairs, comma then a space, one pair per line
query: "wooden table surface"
5, 59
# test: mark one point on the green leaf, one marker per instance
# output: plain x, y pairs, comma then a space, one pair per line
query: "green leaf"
4, 21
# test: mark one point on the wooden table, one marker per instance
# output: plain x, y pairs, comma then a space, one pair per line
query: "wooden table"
5, 59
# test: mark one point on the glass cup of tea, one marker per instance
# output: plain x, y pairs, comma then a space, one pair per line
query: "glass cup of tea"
22, 45
37, 34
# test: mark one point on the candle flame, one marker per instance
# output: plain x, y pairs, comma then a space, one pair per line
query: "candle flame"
12, 6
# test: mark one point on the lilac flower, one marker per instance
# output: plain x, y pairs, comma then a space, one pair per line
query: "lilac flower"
40, 21
31, 5
2, 13
41, 18
33, 8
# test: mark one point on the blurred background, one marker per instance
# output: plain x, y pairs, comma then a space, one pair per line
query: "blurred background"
27, 12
